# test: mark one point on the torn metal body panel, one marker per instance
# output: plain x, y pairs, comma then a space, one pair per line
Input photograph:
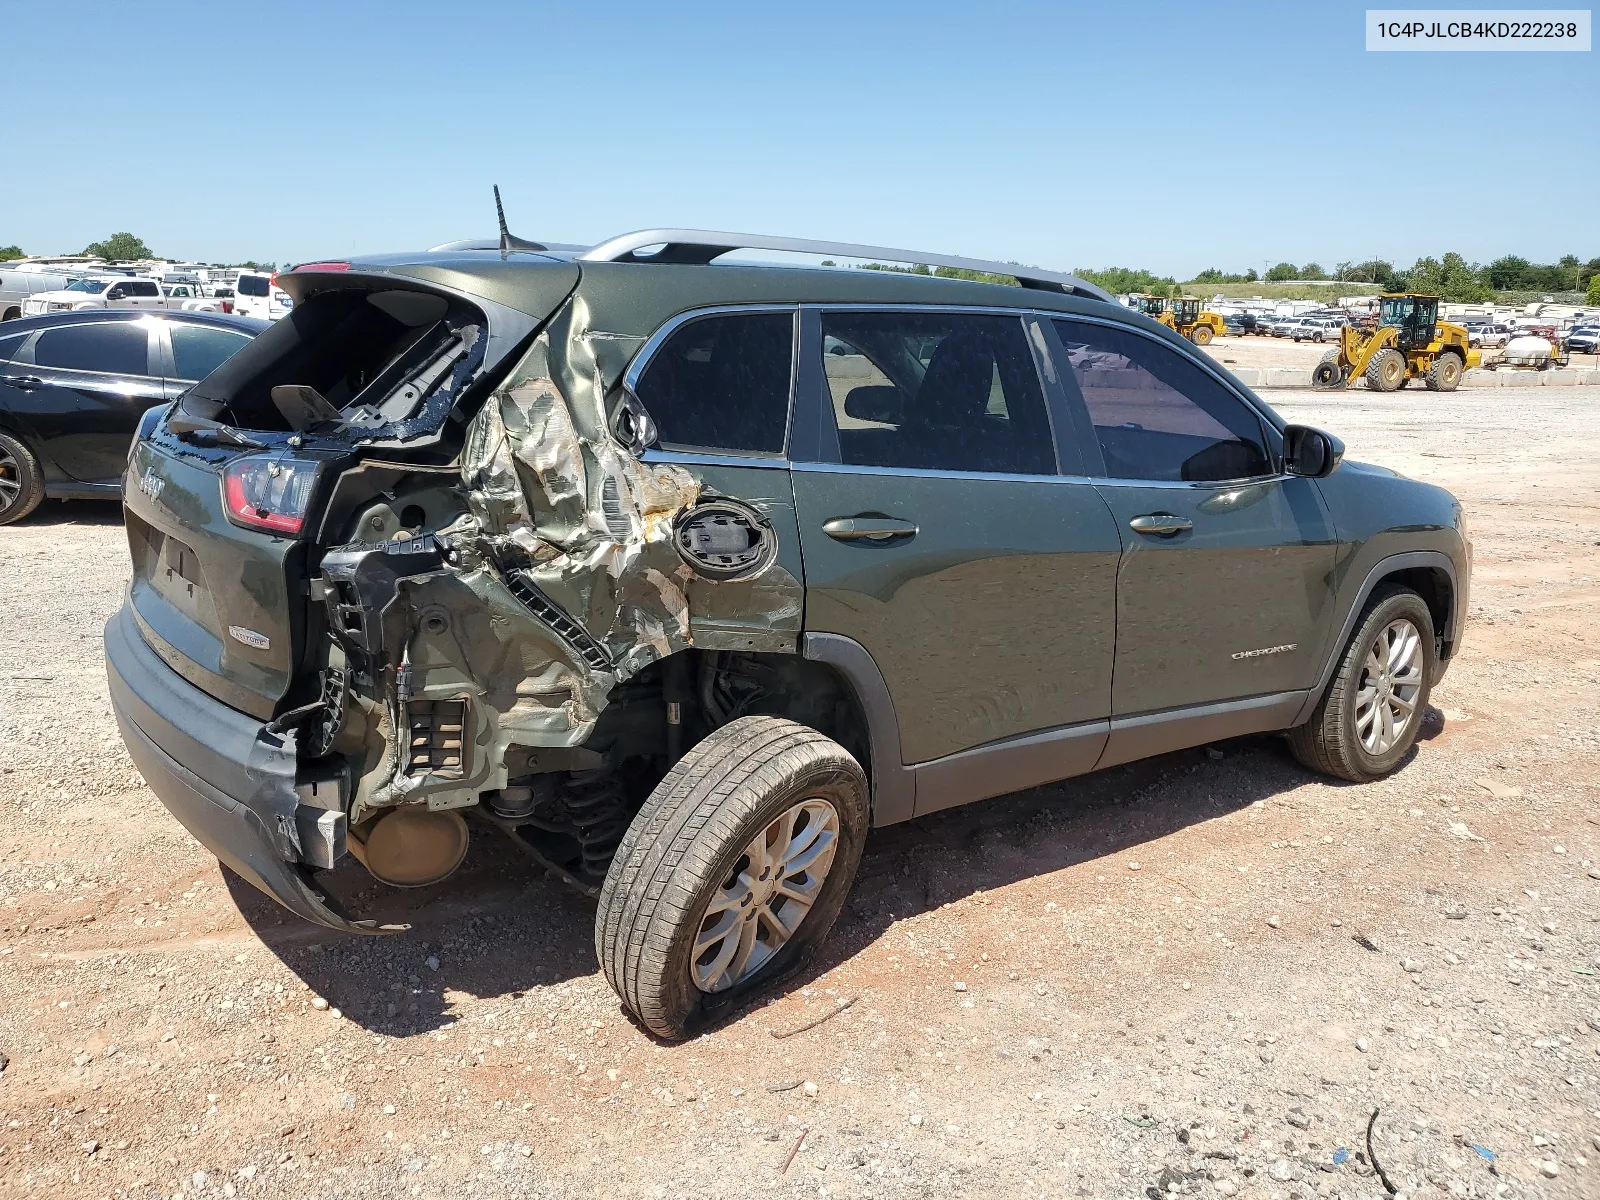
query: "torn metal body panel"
564, 577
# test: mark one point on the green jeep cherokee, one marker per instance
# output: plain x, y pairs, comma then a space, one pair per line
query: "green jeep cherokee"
682, 574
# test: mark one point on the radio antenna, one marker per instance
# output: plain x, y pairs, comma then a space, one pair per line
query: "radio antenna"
508, 242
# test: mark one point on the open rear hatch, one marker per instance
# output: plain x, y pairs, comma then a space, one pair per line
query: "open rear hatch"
225, 489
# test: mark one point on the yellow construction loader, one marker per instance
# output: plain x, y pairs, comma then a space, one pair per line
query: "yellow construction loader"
1186, 316
1182, 314
1408, 342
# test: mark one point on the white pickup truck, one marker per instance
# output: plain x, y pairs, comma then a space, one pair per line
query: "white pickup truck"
120, 291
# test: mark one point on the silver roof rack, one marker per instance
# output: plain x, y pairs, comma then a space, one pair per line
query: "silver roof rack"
701, 246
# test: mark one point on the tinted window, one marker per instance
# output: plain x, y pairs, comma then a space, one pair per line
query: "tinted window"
1158, 415
143, 288
722, 383
119, 348
198, 350
10, 345
252, 285
939, 391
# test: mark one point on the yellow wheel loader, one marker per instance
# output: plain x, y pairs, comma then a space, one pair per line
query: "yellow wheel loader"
1191, 321
1408, 342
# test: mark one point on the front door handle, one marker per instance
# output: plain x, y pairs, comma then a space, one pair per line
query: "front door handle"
876, 529
1160, 525
23, 383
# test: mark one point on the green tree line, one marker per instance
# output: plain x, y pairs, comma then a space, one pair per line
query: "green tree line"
1451, 277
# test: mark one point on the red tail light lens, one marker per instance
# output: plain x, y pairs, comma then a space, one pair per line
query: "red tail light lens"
317, 266
269, 492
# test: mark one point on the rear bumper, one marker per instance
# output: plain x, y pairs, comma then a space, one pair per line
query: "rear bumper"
229, 782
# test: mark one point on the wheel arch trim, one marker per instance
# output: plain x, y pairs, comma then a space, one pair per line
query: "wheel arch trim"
1433, 560
894, 792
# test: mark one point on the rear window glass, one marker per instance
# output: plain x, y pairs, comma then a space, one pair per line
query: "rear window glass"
722, 383
198, 350
119, 348
252, 285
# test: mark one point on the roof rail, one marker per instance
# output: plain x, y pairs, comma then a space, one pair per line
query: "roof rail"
701, 246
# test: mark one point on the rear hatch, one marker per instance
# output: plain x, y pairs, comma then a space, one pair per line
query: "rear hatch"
225, 488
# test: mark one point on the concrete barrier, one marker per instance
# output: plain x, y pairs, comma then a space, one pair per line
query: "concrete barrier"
1249, 376
1479, 378
1292, 377
1559, 378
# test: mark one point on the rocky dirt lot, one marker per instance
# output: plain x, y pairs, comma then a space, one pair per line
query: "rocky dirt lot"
1200, 975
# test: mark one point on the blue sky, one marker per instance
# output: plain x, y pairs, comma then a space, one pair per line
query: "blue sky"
1169, 136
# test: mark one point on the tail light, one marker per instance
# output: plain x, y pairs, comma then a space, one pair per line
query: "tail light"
317, 266
269, 492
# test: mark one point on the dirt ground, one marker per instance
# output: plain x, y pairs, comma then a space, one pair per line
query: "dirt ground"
1197, 975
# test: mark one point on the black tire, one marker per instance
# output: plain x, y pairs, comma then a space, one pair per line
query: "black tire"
1330, 742
1387, 370
11, 314
1317, 337
690, 836
21, 482
1201, 335
1445, 373
1328, 373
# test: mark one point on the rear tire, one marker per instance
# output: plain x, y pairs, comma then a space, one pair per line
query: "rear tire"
1346, 736
1200, 335
691, 853
21, 482
1387, 370
1444, 374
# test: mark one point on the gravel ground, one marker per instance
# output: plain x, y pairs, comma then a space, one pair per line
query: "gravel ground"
1197, 975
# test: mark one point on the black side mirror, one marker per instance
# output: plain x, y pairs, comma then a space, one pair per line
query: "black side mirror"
1310, 452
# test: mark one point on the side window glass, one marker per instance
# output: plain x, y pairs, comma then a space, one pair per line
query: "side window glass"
198, 350
120, 348
722, 383
10, 345
936, 391
1157, 415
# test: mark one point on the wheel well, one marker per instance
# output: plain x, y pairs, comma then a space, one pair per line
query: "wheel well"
712, 688
1433, 585
11, 314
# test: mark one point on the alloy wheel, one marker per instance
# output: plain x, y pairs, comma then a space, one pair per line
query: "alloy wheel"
767, 895
1391, 681
10, 479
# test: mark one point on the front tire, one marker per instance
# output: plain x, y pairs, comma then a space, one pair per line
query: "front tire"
1368, 719
1200, 335
732, 873
21, 481
1387, 370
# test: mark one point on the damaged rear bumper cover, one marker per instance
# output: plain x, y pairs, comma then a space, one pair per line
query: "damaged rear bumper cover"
230, 783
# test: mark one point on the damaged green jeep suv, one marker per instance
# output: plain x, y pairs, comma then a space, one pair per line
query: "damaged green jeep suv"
683, 573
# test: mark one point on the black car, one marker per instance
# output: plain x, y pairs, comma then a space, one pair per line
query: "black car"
73, 386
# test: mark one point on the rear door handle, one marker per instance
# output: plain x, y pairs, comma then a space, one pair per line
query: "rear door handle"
877, 529
23, 383
1160, 524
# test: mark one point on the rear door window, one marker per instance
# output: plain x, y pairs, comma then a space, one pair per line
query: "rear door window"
10, 345
722, 383
1156, 414
936, 391
116, 348
252, 285
198, 350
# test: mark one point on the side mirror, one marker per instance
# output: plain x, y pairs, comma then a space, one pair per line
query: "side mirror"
1310, 452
